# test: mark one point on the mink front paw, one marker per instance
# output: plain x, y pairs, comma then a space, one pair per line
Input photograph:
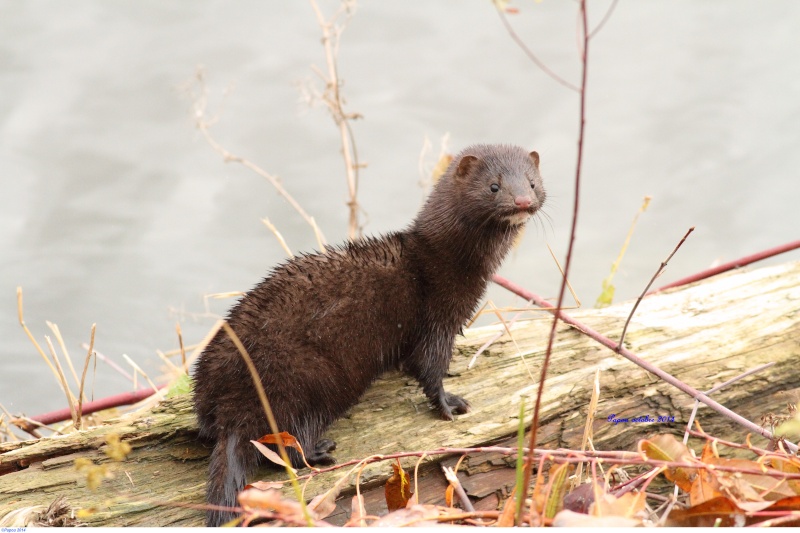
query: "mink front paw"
453, 404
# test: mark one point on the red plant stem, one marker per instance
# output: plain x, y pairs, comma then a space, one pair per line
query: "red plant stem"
575, 208
630, 356
743, 261
125, 398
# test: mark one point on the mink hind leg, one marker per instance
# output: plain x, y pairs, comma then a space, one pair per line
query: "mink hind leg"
317, 450
321, 453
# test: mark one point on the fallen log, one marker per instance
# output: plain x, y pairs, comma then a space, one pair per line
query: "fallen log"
703, 334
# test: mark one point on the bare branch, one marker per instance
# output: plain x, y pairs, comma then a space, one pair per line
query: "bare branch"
331, 37
644, 292
530, 54
567, 263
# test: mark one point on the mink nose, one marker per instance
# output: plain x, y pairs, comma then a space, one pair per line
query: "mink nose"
523, 202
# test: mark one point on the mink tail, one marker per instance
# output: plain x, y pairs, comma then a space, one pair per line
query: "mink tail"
232, 461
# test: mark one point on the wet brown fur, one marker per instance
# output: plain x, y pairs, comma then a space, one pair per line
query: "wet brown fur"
322, 327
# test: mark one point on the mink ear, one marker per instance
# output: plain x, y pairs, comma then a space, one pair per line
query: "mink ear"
535, 156
465, 165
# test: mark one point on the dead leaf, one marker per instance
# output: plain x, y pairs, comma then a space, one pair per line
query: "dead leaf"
557, 488
448, 495
628, 505
741, 487
270, 500
765, 487
720, 512
508, 515
397, 489
324, 504
790, 465
358, 510
786, 504
416, 515
667, 448
705, 487
269, 454
264, 485
568, 518
288, 440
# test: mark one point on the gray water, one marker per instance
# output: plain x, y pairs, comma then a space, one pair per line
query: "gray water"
114, 210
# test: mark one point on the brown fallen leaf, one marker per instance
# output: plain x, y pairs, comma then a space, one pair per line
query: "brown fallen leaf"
288, 440
628, 505
270, 500
264, 485
358, 510
667, 448
397, 490
568, 518
507, 516
324, 504
416, 515
788, 464
269, 454
719, 512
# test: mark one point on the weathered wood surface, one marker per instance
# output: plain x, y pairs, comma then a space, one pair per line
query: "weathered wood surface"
703, 334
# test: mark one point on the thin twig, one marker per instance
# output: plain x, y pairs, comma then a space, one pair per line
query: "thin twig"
494, 338
121, 371
32, 339
175, 369
10, 418
60, 340
588, 426
567, 262
62, 377
138, 369
278, 236
36, 423
519, 311
644, 292
452, 478
720, 387
604, 19
331, 35
180, 343
742, 261
89, 353
530, 54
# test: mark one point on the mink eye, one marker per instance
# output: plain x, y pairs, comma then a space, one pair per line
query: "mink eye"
533, 185
494, 187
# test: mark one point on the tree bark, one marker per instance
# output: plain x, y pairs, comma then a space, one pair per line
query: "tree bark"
703, 334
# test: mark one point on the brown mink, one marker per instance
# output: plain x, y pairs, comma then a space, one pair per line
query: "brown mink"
322, 327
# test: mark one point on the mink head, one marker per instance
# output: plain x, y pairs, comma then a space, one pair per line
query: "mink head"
495, 184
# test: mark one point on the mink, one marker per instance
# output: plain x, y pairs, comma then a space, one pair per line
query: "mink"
322, 327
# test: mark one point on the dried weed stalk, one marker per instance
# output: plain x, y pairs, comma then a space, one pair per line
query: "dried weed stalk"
331, 96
